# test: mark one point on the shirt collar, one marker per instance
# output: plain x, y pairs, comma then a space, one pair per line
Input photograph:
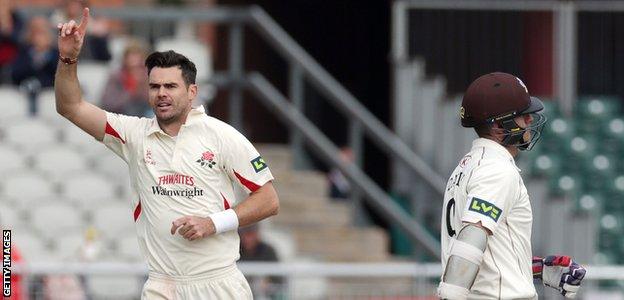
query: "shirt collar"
194, 115
494, 146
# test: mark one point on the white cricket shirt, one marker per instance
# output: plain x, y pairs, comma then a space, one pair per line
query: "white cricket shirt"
198, 173
486, 186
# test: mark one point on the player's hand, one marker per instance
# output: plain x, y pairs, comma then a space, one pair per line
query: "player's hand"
71, 35
560, 273
193, 228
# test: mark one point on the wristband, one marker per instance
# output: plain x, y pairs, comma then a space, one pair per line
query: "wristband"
67, 60
452, 292
224, 220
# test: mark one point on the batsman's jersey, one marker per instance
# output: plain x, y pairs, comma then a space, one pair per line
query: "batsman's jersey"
486, 187
199, 172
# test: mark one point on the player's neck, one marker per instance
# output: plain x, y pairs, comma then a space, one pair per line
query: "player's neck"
172, 128
513, 150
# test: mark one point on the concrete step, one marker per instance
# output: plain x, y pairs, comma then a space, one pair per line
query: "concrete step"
308, 213
342, 243
277, 156
310, 183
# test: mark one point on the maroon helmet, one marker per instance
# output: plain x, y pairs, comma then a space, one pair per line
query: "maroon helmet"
500, 97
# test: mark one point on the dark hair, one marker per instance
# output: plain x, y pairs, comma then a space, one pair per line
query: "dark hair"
483, 130
169, 59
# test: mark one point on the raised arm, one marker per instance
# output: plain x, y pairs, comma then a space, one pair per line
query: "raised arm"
69, 101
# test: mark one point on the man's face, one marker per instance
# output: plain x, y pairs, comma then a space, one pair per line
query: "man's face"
524, 121
169, 96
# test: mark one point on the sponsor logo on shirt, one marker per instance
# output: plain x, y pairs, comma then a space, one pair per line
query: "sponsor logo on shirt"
188, 193
207, 159
177, 179
258, 164
485, 208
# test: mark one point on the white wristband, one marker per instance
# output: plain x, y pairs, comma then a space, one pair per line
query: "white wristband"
452, 292
224, 220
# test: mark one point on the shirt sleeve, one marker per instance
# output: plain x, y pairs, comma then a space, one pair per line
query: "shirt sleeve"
119, 133
492, 190
244, 165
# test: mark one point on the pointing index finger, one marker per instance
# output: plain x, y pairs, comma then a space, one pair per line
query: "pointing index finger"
85, 20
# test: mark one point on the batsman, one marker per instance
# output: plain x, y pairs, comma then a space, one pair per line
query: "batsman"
487, 217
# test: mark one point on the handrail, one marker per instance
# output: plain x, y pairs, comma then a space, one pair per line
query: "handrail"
343, 100
278, 104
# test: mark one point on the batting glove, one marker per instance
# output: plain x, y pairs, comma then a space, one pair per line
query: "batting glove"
560, 273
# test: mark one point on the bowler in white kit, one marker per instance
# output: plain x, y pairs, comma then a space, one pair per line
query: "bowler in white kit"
185, 169
487, 217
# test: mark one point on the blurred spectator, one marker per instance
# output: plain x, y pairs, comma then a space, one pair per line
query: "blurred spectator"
35, 64
339, 185
96, 41
126, 90
11, 27
254, 249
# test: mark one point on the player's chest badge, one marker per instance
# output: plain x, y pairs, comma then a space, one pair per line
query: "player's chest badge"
149, 159
207, 159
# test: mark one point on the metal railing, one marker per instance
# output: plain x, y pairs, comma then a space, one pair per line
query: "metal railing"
301, 67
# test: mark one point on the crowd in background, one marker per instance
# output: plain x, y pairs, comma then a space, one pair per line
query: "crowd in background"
29, 57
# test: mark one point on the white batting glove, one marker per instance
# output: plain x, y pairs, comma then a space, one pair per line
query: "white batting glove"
560, 273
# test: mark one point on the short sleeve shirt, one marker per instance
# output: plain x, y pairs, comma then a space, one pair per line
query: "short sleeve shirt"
486, 187
199, 172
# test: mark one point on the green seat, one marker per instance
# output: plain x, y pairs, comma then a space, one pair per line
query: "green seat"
556, 134
612, 137
614, 194
576, 152
592, 111
589, 203
565, 185
598, 171
551, 109
612, 223
545, 165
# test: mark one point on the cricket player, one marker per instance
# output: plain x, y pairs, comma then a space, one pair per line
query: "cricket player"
185, 170
486, 217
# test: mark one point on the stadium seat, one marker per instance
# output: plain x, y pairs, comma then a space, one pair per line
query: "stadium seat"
579, 149
600, 169
60, 161
56, 219
195, 51
82, 141
546, 165
565, 185
119, 286
612, 135
114, 219
46, 101
128, 248
11, 160
10, 217
33, 247
557, 133
613, 193
27, 185
90, 185
13, 104
591, 111
551, 109
93, 77
111, 165
32, 133
588, 202
84, 246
